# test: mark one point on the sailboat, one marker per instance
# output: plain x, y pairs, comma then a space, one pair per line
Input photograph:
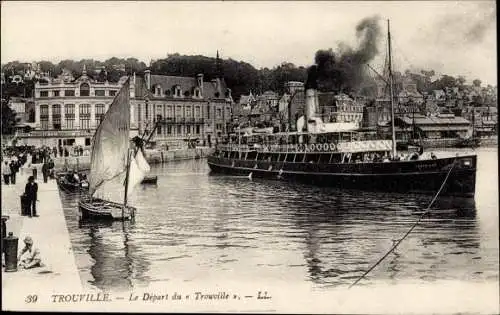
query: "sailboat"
113, 159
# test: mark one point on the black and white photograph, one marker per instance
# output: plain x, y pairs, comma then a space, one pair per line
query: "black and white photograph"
250, 156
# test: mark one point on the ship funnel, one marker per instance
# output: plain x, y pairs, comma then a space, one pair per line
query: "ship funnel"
311, 103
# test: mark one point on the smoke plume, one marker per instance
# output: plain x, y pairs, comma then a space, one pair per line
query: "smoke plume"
345, 70
468, 26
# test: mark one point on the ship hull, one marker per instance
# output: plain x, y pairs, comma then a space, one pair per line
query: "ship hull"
421, 176
72, 187
98, 209
152, 180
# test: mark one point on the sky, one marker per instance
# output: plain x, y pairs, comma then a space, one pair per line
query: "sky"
451, 37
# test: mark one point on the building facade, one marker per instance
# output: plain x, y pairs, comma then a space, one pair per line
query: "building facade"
335, 107
182, 108
67, 112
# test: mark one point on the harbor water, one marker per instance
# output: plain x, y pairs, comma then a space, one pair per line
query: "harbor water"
197, 227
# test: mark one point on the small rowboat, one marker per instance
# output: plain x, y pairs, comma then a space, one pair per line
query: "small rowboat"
153, 180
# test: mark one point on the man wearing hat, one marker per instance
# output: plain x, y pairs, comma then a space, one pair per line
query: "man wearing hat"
30, 256
31, 191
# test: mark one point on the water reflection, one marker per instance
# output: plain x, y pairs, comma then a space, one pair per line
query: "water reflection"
118, 263
192, 227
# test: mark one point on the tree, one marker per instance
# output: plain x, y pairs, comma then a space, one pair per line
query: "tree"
8, 118
461, 80
476, 82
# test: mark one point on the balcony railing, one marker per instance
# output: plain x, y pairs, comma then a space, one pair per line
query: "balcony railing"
58, 133
181, 120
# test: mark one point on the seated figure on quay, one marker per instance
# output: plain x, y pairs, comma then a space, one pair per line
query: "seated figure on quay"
30, 255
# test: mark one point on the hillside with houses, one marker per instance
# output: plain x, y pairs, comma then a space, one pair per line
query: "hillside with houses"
275, 97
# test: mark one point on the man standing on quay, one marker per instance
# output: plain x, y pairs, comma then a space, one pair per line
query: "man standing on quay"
6, 172
45, 171
31, 191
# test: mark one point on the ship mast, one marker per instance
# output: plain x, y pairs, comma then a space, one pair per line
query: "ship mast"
391, 92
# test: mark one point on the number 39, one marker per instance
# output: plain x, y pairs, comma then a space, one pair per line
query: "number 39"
31, 298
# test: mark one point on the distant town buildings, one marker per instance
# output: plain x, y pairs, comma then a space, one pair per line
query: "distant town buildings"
67, 111
183, 107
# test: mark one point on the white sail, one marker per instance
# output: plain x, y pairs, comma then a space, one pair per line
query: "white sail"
110, 144
137, 171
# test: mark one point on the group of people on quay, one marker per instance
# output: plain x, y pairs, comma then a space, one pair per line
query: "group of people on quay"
26, 158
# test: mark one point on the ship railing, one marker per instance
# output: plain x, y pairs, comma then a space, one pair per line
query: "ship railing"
263, 148
342, 146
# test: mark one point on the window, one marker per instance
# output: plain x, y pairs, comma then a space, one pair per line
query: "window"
169, 111
44, 117
87, 141
208, 111
69, 116
44, 93
178, 91
169, 130
112, 92
158, 90
188, 129
197, 129
179, 130
84, 116
219, 113
146, 112
197, 93
56, 93
56, 116
188, 112
178, 112
158, 130
31, 115
100, 93
159, 111
69, 93
100, 110
84, 89
197, 112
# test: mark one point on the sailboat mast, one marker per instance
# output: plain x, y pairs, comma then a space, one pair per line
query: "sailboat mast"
391, 91
126, 179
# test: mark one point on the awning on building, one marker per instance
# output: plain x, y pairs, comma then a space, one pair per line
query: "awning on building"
489, 122
443, 128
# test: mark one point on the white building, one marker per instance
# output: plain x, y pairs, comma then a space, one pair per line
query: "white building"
68, 112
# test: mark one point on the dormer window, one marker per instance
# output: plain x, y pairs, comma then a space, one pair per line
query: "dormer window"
84, 89
177, 91
158, 90
197, 93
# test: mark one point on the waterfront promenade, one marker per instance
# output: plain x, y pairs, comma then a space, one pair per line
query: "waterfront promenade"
152, 156
50, 235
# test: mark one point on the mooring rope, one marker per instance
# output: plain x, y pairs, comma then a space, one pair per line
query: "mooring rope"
427, 210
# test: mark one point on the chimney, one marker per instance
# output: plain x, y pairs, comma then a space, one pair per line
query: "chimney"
218, 86
199, 81
132, 87
311, 103
147, 78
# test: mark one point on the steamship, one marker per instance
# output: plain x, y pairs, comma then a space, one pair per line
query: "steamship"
341, 155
